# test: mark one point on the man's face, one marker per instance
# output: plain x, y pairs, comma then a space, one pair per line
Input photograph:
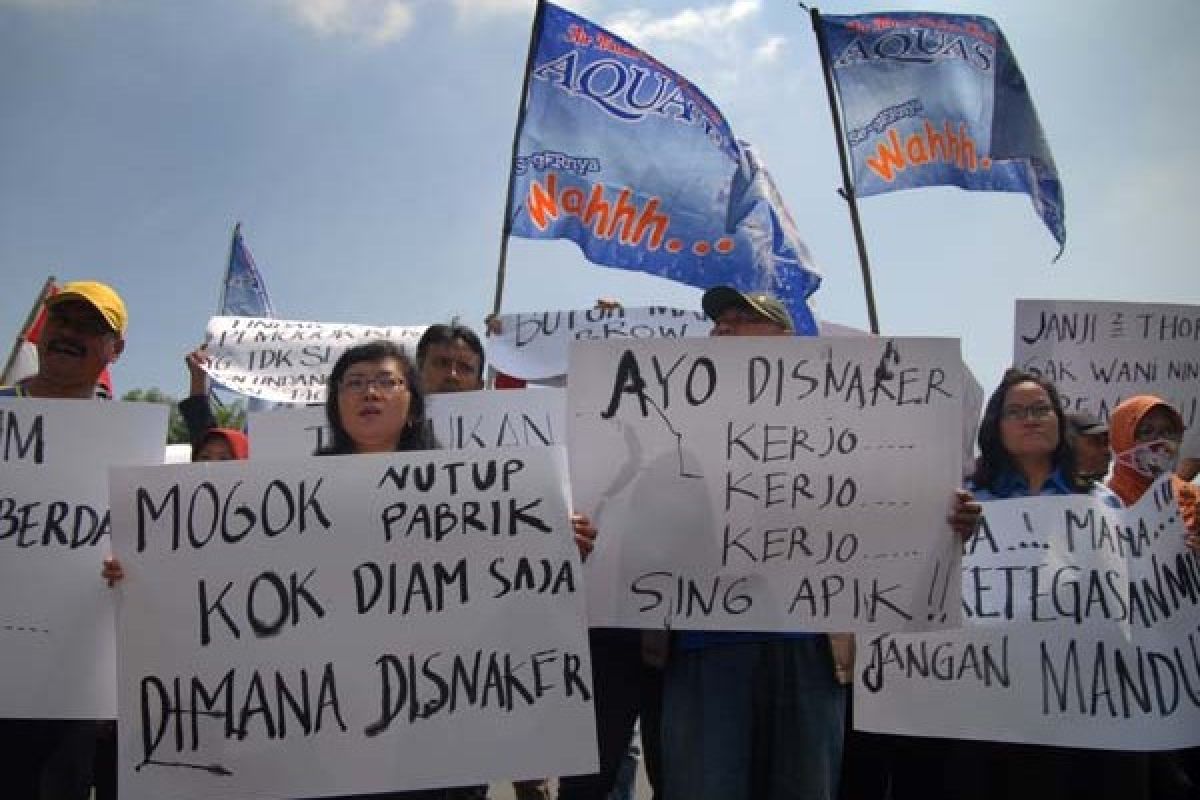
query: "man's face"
451, 367
1092, 453
76, 343
741, 321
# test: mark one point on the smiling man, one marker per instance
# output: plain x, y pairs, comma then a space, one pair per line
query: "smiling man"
84, 332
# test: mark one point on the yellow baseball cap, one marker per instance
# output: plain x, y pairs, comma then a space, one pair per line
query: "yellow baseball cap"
99, 296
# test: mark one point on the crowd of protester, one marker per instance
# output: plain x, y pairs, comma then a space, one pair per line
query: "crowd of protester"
722, 715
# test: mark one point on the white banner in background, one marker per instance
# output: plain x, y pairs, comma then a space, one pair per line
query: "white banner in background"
288, 361
1098, 354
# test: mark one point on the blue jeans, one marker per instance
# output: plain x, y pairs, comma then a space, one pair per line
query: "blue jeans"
757, 720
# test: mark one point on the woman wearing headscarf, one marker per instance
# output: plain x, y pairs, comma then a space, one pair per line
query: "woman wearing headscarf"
1145, 432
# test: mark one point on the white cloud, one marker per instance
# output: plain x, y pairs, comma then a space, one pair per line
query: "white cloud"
375, 21
769, 50
641, 27
472, 9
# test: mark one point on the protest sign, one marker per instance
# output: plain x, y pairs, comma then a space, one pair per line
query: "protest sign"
533, 346
773, 483
288, 361
56, 643
459, 420
1099, 354
1080, 629
349, 624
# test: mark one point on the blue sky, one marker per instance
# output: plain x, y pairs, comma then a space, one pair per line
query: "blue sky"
364, 144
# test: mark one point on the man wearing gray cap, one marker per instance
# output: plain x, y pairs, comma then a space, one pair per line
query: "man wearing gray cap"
749, 715
1089, 437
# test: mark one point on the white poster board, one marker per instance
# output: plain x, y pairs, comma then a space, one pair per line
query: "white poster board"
1080, 630
459, 420
288, 361
349, 624
1099, 354
56, 627
775, 483
533, 345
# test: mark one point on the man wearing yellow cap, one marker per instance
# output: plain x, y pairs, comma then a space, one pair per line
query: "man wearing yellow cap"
83, 333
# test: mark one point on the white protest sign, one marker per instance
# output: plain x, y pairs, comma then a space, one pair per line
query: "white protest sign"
1080, 629
56, 628
1099, 354
775, 483
288, 361
533, 346
349, 624
459, 420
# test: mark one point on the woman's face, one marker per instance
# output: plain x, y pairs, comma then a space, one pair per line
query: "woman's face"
1028, 422
215, 448
373, 402
1158, 423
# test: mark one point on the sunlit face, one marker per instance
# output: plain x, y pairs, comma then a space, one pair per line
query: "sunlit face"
373, 403
1028, 422
76, 344
452, 367
215, 448
1157, 423
741, 321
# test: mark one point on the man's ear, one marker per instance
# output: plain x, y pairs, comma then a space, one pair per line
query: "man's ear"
118, 348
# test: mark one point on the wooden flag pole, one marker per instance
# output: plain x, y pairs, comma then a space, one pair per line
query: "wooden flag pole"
847, 190
535, 35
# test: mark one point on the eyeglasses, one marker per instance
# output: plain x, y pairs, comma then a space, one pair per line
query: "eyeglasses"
1020, 413
359, 384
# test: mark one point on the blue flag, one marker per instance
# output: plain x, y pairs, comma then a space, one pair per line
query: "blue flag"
938, 99
634, 164
244, 293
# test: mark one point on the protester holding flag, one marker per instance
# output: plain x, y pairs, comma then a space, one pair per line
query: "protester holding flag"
84, 332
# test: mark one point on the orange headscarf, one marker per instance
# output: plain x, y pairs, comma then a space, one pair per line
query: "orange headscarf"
1127, 482
239, 445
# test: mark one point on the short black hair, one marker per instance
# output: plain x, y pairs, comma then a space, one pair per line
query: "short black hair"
416, 434
447, 334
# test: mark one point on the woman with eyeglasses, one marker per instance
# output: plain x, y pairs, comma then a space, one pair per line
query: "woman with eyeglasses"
1145, 433
374, 404
1024, 452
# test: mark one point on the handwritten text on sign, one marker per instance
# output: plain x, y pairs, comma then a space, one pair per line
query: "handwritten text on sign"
1080, 629
1099, 354
56, 647
288, 361
349, 624
534, 346
458, 420
772, 483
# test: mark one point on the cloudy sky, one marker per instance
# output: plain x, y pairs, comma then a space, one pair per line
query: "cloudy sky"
363, 144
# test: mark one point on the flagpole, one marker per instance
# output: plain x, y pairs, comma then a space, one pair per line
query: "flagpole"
33, 312
535, 34
237, 227
847, 190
